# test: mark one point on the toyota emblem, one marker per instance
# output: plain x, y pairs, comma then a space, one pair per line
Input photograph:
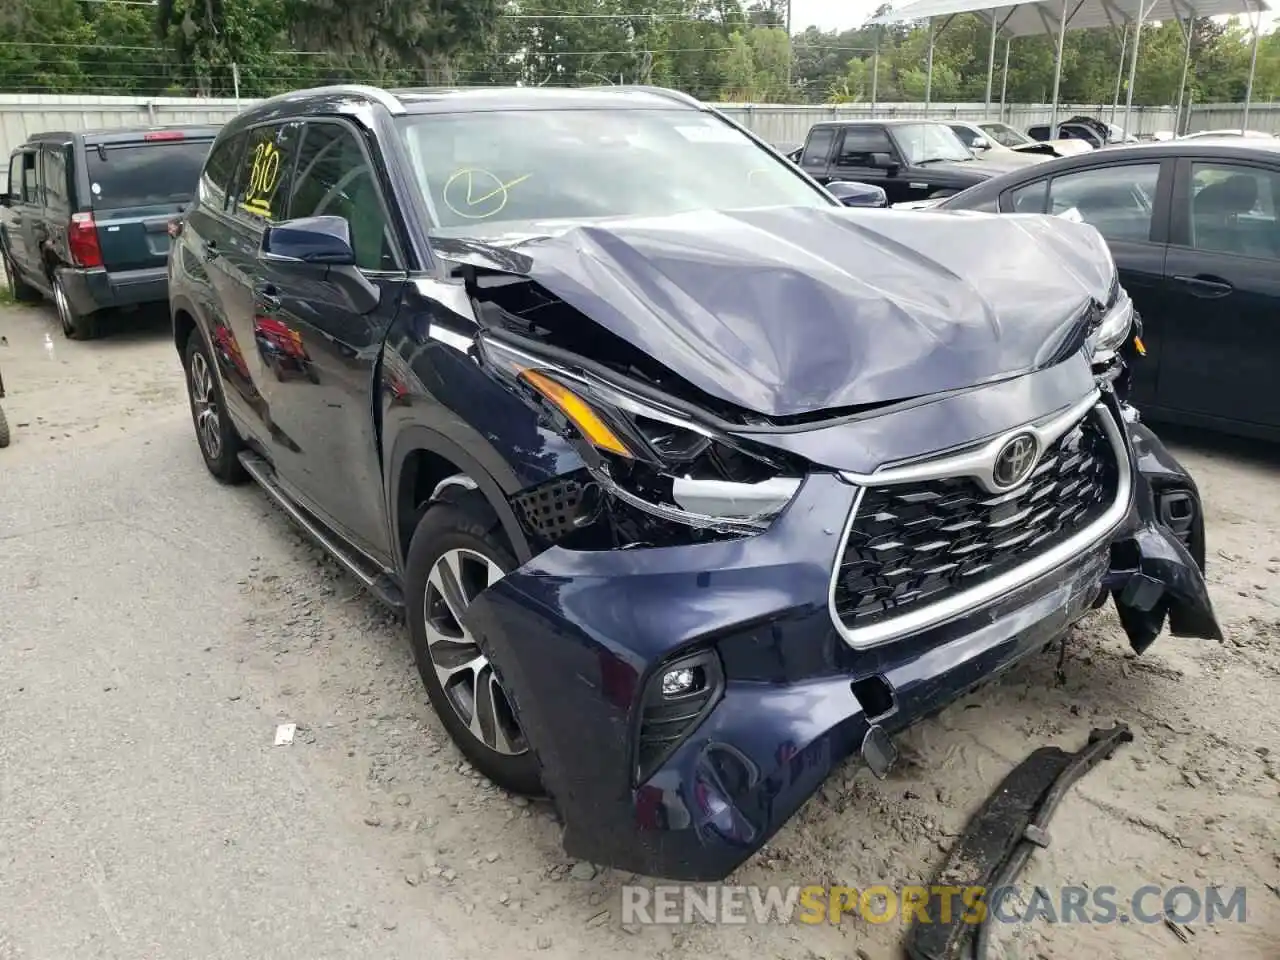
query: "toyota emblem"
1015, 461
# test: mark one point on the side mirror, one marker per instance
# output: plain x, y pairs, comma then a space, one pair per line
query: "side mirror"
315, 240
320, 248
980, 143
854, 194
885, 162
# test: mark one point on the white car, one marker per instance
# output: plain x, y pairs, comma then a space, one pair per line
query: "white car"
1206, 134
985, 137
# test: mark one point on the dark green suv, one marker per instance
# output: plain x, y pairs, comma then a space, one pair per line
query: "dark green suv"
88, 217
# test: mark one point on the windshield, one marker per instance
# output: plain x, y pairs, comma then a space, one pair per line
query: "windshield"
1004, 134
504, 171
926, 142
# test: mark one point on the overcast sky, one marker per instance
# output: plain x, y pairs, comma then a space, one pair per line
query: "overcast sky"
846, 14
831, 14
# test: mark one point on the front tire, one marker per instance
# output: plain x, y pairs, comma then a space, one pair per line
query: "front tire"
457, 552
220, 445
22, 291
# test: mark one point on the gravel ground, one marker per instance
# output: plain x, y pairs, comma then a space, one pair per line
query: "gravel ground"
155, 628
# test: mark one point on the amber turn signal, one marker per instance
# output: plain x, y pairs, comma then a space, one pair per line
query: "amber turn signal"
578, 412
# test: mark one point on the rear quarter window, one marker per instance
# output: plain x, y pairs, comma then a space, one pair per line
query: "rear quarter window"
142, 174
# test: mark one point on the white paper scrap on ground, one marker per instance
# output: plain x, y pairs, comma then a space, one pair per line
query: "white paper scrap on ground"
284, 734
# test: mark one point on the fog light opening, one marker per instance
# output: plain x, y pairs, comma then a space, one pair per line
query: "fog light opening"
875, 696
683, 682
1177, 512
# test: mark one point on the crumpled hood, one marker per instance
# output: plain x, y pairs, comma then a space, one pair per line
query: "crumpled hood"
787, 311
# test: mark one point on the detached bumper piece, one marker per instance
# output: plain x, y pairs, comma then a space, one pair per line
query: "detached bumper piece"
1000, 838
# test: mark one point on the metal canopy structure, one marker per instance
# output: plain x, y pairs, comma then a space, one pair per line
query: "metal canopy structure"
1055, 17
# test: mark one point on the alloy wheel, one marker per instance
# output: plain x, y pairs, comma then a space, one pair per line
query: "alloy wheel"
465, 673
64, 307
205, 406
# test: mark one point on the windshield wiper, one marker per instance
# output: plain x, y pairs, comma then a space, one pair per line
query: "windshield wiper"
928, 160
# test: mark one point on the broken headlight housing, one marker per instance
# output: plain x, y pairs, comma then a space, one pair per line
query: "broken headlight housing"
651, 457
1110, 335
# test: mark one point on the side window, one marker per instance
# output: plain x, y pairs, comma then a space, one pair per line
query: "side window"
967, 135
15, 176
54, 163
334, 179
1233, 210
1031, 198
30, 177
818, 147
265, 173
215, 180
1039, 132
1118, 200
860, 143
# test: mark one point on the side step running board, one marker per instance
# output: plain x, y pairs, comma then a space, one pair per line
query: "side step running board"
377, 583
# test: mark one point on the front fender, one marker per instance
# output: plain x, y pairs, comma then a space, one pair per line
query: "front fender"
1158, 556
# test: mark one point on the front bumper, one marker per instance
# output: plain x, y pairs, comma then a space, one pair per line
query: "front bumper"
90, 290
581, 635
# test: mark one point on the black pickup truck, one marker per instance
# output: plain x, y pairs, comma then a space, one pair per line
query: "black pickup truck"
909, 159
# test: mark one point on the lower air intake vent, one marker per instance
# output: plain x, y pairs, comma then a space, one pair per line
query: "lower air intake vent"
551, 508
679, 695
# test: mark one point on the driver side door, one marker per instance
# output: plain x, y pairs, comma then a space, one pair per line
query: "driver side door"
855, 160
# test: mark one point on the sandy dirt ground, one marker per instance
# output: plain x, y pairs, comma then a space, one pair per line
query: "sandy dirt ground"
1194, 800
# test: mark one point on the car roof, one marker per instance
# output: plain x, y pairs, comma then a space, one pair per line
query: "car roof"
884, 121
1205, 148
109, 135
343, 98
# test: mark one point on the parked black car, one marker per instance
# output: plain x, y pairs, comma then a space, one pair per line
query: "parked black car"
691, 482
89, 214
910, 159
1193, 227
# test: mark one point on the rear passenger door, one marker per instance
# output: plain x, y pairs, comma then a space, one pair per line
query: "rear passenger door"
52, 226
1129, 205
323, 392
1222, 293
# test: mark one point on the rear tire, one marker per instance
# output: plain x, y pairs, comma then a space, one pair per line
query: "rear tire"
220, 445
456, 552
4, 430
75, 325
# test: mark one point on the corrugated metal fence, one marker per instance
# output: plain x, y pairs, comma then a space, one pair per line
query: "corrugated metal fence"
24, 114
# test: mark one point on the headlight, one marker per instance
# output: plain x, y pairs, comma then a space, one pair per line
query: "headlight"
1113, 331
653, 458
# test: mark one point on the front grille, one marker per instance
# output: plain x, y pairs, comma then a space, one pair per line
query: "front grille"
917, 543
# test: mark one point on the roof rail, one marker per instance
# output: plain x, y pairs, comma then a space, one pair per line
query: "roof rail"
375, 94
677, 95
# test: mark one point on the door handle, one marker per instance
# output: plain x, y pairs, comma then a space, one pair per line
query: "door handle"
268, 296
1206, 286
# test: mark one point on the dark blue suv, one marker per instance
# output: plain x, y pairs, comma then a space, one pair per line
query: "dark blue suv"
690, 481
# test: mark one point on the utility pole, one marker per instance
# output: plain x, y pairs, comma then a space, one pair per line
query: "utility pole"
790, 53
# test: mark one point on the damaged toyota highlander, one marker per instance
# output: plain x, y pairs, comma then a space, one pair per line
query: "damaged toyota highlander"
691, 482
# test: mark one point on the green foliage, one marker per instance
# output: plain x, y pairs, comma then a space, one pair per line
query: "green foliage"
735, 50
